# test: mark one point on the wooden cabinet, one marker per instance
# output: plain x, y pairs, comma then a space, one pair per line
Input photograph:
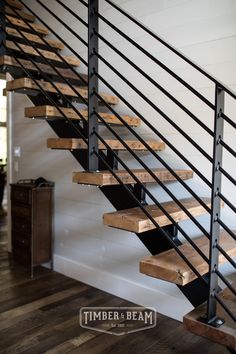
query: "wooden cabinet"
31, 219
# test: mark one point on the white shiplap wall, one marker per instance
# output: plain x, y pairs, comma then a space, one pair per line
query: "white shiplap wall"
205, 31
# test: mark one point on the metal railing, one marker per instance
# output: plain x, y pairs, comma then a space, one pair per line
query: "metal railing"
89, 132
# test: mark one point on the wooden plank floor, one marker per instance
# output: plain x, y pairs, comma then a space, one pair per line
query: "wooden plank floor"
41, 316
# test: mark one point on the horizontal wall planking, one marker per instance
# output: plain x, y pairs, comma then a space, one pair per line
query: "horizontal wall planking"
171, 85
108, 249
177, 115
88, 229
220, 70
158, 20
207, 30
87, 194
123, 271
97, 260
82, 210
224, 71
187, 148
47, 18
25, 171
137, 290
161, 17
34, 133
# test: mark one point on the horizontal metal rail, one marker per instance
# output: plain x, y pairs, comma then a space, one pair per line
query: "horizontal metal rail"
48, 62
225, 307
227, 175
163, 186
48, 79
158, 62
225, 254
228, 148
225, 281
226, 201
54, 103
171, 48
158, 157
55, 34
226, 228
156, 108
152, 220
63, 23
228, 120
150, 79
83, 2
72, 13
161, 136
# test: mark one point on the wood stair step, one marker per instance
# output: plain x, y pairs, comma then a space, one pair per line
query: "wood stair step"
21, 24
26, 16
9, 62
34, 38
225, 334
45, 53
25, 83
105, 178
15, 3
52, 112
72, 144
169, 266
135, 220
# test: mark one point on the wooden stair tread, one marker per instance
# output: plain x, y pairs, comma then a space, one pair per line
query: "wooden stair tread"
73, 143
105, 178
21, 24
45, 53
52, 112
26, 16
34, 38
169, 266
66, 73
225, 334
15, 3
135, 220
27, 83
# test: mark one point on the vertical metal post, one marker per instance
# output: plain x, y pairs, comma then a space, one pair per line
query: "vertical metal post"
216, 206
2, 27
92, 85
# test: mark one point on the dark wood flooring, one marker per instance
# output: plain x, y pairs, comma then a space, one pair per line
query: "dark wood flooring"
41, 316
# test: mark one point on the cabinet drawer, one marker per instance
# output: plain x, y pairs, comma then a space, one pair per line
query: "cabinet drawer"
21, 195
19, 211
22, 226
21, 254
22, 240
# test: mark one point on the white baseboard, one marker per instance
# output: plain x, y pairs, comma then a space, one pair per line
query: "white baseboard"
132, 291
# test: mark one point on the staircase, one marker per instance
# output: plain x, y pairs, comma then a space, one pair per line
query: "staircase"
53, 84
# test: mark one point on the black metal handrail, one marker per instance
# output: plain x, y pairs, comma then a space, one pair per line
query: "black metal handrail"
158, 62
161, 88
92, 136
156, 108
161, 136
219, 143
200, 201
171, 48
100, 156
43, 91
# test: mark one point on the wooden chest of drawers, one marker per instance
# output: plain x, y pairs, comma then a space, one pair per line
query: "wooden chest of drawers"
31, 219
